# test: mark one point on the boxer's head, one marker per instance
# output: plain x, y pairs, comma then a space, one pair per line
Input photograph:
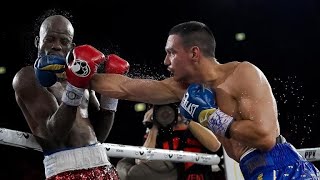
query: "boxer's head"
187, 43
55, 36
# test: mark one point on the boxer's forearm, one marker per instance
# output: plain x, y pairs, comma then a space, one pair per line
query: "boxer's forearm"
102, 123
61, 122
142, 90
252, 134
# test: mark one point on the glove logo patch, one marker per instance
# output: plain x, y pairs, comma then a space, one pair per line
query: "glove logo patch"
71, 95
80, 68
188, 106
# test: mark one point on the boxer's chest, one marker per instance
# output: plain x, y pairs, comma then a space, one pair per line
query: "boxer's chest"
226, 101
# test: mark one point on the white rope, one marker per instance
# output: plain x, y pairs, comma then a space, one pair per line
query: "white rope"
28, 141
18, 139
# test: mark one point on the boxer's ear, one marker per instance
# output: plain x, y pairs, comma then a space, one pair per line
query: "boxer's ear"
36, 41
195, 52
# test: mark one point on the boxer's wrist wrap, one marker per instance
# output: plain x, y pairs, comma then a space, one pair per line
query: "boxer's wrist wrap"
219, 123
108, 103
72, 96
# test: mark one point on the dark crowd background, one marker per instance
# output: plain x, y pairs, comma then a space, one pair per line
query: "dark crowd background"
281, 38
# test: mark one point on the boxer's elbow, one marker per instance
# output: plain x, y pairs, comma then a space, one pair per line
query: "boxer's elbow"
266, 143
265, 136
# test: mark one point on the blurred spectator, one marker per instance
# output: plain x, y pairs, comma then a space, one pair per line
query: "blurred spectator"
166, 129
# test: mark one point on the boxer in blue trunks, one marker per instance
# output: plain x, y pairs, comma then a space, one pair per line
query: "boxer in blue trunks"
244, 117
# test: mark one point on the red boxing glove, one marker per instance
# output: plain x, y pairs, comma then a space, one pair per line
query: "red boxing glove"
116, 65
82, 63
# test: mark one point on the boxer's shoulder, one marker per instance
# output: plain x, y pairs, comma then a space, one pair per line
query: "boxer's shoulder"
25, 71
24, 78
245, 67
240, 71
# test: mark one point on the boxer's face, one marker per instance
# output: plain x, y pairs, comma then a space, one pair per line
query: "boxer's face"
178, 59
55, 38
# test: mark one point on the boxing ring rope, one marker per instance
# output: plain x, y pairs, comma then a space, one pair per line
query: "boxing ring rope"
28, 141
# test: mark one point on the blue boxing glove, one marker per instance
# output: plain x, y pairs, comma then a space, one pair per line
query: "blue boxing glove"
199, 104
47, 67
195, 100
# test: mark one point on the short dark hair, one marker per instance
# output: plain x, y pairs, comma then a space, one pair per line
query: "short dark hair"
51, 12
195, 33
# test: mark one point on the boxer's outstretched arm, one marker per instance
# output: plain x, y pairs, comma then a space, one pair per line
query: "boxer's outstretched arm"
142, 90
258, 126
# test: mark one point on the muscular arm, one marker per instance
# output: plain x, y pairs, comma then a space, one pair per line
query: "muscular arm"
102, 122
204, 136
101, 119
61, 122
142, 90
257, 126
40, 107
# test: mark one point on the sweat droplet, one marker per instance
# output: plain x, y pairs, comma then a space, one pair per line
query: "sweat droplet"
296, 114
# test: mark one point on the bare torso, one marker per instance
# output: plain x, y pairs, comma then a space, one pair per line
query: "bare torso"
243, 93
229, 101
38, 110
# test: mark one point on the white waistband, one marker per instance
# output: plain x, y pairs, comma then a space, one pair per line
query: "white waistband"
75, 159
247, 152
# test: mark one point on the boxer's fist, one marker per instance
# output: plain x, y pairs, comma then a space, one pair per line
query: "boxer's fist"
116, 65
46, 67
197, 102
82, 63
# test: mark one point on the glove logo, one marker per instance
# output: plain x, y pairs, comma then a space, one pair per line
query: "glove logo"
188, 106
80, 68
71, 95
